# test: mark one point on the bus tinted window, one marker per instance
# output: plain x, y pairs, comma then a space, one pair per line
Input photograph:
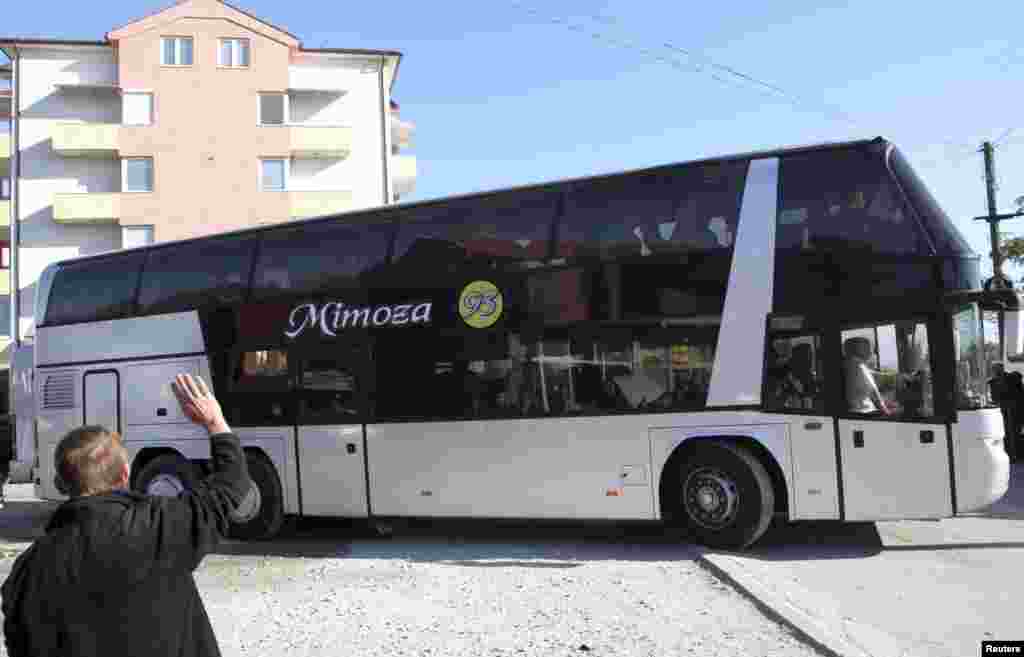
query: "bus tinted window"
693, 208
943, 231
318, 257
196, 275
94, 290
842, 200
560, 374
510, 227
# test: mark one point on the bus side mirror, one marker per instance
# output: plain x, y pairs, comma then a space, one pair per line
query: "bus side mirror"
1013, 333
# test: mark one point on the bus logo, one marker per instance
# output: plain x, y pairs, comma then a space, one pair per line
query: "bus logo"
480, 304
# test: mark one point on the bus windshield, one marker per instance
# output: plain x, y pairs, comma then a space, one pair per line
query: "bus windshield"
976, 342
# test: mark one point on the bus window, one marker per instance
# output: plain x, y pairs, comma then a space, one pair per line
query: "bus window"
976, 349
330, 390
842, 200
507, 229
318, 258
260, 392
678, 210
887, 371
94, 290
652, 371
196, 275
794, 374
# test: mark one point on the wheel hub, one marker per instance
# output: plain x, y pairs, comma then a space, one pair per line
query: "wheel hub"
249, 507
711, 498
165, 485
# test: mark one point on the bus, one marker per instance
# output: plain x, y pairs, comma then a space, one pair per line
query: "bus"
792, 334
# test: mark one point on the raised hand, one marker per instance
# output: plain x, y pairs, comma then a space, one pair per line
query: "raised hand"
198, 403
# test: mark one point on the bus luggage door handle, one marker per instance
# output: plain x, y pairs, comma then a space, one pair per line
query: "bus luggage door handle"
350, 448
858, 438
927, 436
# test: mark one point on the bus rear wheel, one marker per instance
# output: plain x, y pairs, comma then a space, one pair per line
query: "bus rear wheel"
261, 513
722, 496
167, 475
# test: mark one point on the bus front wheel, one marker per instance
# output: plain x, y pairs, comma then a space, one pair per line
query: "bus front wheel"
722, 496
261, 513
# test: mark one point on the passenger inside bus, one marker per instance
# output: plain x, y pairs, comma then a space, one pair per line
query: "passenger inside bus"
862, 393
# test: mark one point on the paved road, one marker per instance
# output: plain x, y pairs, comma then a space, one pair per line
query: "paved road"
935, 589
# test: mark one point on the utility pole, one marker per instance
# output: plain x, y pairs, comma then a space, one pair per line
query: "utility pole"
998, 280
993, 223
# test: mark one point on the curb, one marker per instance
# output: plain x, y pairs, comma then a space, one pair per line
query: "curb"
775, 607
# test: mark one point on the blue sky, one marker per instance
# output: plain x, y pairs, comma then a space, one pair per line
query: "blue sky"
507, 92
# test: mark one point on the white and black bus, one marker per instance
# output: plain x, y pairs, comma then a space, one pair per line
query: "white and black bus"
794, 333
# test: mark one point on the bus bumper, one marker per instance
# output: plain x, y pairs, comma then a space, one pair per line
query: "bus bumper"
983, 474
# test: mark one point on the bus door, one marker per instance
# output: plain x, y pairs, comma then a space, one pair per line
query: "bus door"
102, 399
332, 387
893, 445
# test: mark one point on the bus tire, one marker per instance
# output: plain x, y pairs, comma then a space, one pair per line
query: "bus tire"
166, 475
266, 521
722, 496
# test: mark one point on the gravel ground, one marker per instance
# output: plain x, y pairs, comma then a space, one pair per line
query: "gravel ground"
433, 601
465, 589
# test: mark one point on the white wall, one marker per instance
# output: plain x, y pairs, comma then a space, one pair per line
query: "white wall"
358, 107
44, 173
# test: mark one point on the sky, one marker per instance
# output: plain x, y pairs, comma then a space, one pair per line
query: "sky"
509, 92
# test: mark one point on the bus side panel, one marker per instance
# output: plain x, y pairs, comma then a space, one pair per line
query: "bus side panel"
773, 436
558, 468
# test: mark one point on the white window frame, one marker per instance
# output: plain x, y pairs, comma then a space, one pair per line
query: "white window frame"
287, 109
177, 51
124, 176
139, 92
129, 227
235, 52
287, 173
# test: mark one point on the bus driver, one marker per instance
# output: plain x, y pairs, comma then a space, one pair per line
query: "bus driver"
862, 394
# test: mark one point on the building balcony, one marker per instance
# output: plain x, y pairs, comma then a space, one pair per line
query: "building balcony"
401, 133
315, 204
403, 175
86, 208
85, 139
320, 141
5, 213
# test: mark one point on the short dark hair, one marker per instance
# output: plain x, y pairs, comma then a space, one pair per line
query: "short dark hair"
88, 461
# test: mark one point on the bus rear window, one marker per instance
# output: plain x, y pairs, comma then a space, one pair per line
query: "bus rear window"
94, 290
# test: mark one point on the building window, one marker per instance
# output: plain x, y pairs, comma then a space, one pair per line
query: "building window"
176, 51
5, 189
5, 255
233, 53
135, 236
273, 109
137, 108
274, 175
138, 174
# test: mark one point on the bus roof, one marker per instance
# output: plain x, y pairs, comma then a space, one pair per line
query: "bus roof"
396, 207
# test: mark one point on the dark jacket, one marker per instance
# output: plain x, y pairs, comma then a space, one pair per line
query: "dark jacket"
113, 574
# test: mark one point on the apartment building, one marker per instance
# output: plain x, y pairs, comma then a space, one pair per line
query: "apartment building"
196, 119
5, 209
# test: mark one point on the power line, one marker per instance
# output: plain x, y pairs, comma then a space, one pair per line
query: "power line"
1006, 133
720, 72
